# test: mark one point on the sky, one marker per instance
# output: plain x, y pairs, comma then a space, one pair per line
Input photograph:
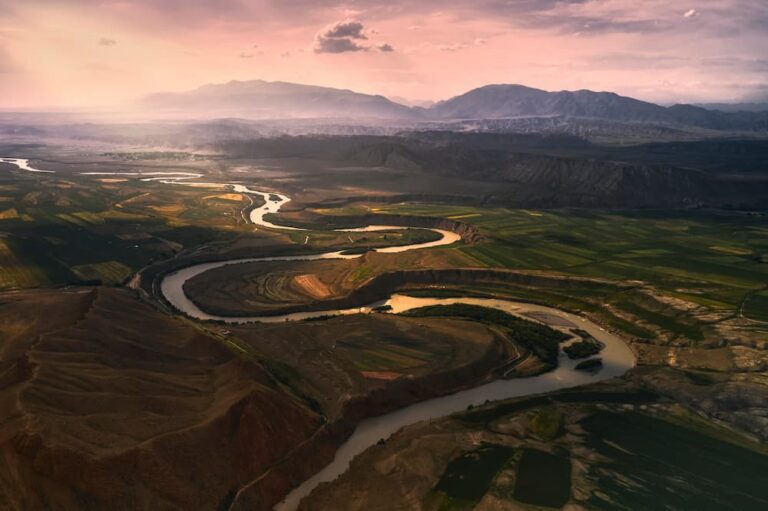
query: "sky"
98, 53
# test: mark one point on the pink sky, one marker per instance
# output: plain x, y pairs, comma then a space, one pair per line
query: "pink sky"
80, 53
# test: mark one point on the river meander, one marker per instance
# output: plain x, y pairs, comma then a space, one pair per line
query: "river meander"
616, 356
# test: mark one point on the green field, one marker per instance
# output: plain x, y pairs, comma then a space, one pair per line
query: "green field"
79, 230
660, 461
390, 354
712, 258
756, 306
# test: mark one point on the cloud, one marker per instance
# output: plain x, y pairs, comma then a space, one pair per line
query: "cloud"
105, 41
738, 64
341, 45
633, 61
341, 37
350, 29
385, 47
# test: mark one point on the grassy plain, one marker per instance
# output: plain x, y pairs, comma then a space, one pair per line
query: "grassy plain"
78, 229
711, 257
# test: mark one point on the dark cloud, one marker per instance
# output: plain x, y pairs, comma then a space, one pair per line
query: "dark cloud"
341, 37
342, 29
336, 45
106, 41
385, 47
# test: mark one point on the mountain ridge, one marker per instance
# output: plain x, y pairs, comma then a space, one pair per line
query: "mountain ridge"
264, 99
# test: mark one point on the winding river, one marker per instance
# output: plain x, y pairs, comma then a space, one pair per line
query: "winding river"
617, 357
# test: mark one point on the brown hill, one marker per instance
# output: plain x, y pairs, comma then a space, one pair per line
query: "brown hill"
109, 404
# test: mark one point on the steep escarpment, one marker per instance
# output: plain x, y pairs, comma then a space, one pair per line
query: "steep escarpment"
536, 171
538, 180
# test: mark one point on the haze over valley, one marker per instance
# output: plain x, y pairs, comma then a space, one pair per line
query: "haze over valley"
381, 256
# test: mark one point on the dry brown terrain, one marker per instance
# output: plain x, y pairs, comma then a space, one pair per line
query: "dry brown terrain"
312, 285
331, 361
108, 404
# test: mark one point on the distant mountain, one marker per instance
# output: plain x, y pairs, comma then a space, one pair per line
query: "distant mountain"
415, 103
496, 101
258, 99
736, 107
264, 100
506, 101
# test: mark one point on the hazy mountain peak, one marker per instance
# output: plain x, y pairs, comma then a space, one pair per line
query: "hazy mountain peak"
264, 99
511, 100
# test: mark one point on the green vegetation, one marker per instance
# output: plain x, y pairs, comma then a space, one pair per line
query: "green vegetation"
591, 366
583, 349
293, 380
756, 306
541, 339
85, 231
467, 478
676, 325
707, 257
665, 462
706, 377
547, 424
390, 353
486, 415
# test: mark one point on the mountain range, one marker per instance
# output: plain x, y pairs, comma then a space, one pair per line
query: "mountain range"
280, 100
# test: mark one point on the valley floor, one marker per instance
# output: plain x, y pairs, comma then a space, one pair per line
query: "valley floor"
113, 401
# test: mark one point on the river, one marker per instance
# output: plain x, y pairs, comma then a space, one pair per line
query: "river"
617, 357
23, 164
